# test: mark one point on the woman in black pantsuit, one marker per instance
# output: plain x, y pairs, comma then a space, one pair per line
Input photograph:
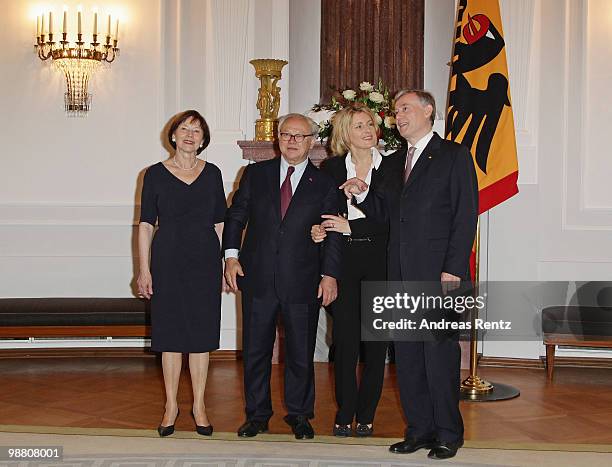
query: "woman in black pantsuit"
184, 280
354, 141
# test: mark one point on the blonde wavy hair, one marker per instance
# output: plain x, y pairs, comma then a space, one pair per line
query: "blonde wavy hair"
341, 125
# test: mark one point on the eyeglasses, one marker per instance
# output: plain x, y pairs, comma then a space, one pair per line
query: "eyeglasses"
298, 137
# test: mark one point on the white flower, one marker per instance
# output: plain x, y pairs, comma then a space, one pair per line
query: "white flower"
349, 94
376, 97
389, 121
321, 117
378, 119
365, 86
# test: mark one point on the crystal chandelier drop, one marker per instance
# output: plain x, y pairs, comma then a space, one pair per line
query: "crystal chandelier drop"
77, 61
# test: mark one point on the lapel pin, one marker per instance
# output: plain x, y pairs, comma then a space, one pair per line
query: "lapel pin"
310, 179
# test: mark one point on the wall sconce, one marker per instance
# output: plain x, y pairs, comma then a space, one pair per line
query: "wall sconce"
78, 62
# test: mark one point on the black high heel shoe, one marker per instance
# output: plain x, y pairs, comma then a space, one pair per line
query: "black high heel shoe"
202, 430
363, 430
167, 430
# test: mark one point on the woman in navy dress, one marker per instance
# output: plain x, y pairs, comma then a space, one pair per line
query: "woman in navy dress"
184, 195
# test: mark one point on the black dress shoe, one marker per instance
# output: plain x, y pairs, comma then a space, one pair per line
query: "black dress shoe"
252, 428
201, 429
363, 430
343, 431
444, 450
167, 430
411, 445
301, 427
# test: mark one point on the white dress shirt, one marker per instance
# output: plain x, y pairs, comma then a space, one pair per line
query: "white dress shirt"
420, 147
353, 211
296, 176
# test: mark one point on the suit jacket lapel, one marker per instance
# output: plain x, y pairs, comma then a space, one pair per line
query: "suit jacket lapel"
394, 171
342, 173
342, 176
424, 159
302, 190
275, 181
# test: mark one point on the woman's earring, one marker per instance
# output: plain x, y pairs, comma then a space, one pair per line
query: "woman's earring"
173, 139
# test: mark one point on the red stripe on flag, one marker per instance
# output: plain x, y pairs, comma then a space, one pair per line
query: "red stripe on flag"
490, 197
473, 265
498, 192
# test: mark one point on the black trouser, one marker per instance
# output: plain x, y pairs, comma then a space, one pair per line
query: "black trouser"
362, 261
428, 374
299, 321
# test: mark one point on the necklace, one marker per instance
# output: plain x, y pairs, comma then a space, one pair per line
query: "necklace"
183, 168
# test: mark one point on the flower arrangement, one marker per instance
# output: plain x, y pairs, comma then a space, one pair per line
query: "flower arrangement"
374, 97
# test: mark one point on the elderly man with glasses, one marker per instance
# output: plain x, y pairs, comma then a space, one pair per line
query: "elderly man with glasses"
279, 269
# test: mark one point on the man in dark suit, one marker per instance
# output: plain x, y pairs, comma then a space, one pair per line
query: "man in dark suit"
428, 192
281, 270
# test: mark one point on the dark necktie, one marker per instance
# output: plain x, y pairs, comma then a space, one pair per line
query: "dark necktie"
285, 191
408, 167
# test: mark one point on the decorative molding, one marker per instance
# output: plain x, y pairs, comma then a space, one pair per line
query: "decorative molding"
280, 47
170, 83
76, 214
576, 216
540, 363
507, 362
518, 24
219, 137
69, 214
218, 355
229, 23
280, 30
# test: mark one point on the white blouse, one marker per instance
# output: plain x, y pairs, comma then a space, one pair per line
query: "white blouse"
353, 211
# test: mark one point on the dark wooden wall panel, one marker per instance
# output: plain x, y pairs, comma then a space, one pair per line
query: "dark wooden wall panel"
363, 40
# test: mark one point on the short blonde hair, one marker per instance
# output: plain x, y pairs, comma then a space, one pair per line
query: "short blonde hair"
341, 124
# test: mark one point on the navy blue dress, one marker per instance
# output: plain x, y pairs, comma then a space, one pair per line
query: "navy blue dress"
185, 258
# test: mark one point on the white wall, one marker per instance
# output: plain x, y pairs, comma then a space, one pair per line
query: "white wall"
559, 227
438, 46
68, 186
304, 54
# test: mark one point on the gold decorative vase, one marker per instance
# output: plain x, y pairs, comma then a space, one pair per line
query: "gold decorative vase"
268, 70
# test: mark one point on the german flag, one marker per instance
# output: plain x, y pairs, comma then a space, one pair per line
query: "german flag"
480, 112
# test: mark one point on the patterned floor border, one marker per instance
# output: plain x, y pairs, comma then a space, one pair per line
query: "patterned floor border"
321, 439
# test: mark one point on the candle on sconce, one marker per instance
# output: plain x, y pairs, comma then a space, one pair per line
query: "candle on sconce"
117, 30
37, 26
95, 25
108, 29
42, 24
64, 26
50, 22
79, 20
